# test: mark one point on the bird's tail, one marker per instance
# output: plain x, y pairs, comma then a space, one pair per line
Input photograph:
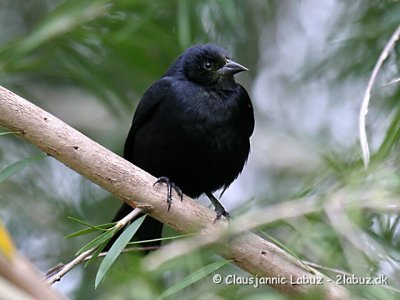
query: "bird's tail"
149, 230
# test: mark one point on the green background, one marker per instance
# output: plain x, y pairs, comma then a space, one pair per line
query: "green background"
88, 63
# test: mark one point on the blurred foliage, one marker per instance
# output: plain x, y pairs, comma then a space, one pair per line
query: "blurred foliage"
113, 50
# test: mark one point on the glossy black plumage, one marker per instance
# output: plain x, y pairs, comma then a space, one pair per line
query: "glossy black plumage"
192, 126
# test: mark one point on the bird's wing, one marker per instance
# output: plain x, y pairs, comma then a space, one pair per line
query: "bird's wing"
146, 107
248, 107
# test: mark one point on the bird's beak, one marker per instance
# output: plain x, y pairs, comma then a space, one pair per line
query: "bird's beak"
231, 68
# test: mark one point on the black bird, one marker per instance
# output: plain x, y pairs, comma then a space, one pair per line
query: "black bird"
192, 129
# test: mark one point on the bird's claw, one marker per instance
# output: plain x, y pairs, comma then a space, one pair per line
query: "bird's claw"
221, 212
170, 186
219, 209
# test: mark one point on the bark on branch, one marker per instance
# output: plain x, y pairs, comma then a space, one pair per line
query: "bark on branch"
135, 187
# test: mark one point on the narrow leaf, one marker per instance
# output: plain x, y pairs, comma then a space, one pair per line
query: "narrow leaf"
99, 240
116, 249
63, 19
9, 132
92, 228
18, 166
98, 227
161, 239
103, 228
193, 277
95, 254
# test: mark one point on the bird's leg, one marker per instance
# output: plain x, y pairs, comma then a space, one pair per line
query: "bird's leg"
219, 209
170, 186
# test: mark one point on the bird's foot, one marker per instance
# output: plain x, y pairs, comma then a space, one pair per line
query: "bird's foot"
170, 186
221, 212
219, 209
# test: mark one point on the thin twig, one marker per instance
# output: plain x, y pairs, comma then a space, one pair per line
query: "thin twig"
69, 266
391, 82
364, 106
319, 267
56, 273
128, 218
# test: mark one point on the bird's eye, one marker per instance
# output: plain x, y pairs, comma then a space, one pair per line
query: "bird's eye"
207, 65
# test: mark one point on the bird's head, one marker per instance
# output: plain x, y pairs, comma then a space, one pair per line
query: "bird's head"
209, 65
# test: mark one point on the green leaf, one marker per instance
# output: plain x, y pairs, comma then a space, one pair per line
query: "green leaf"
9, 132
116, 249
65, 18
161, 239
99, 240
391, 137
95, 254
18, 166
102, 227
193, 277
92, 228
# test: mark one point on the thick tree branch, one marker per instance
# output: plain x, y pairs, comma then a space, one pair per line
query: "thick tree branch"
135, 187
